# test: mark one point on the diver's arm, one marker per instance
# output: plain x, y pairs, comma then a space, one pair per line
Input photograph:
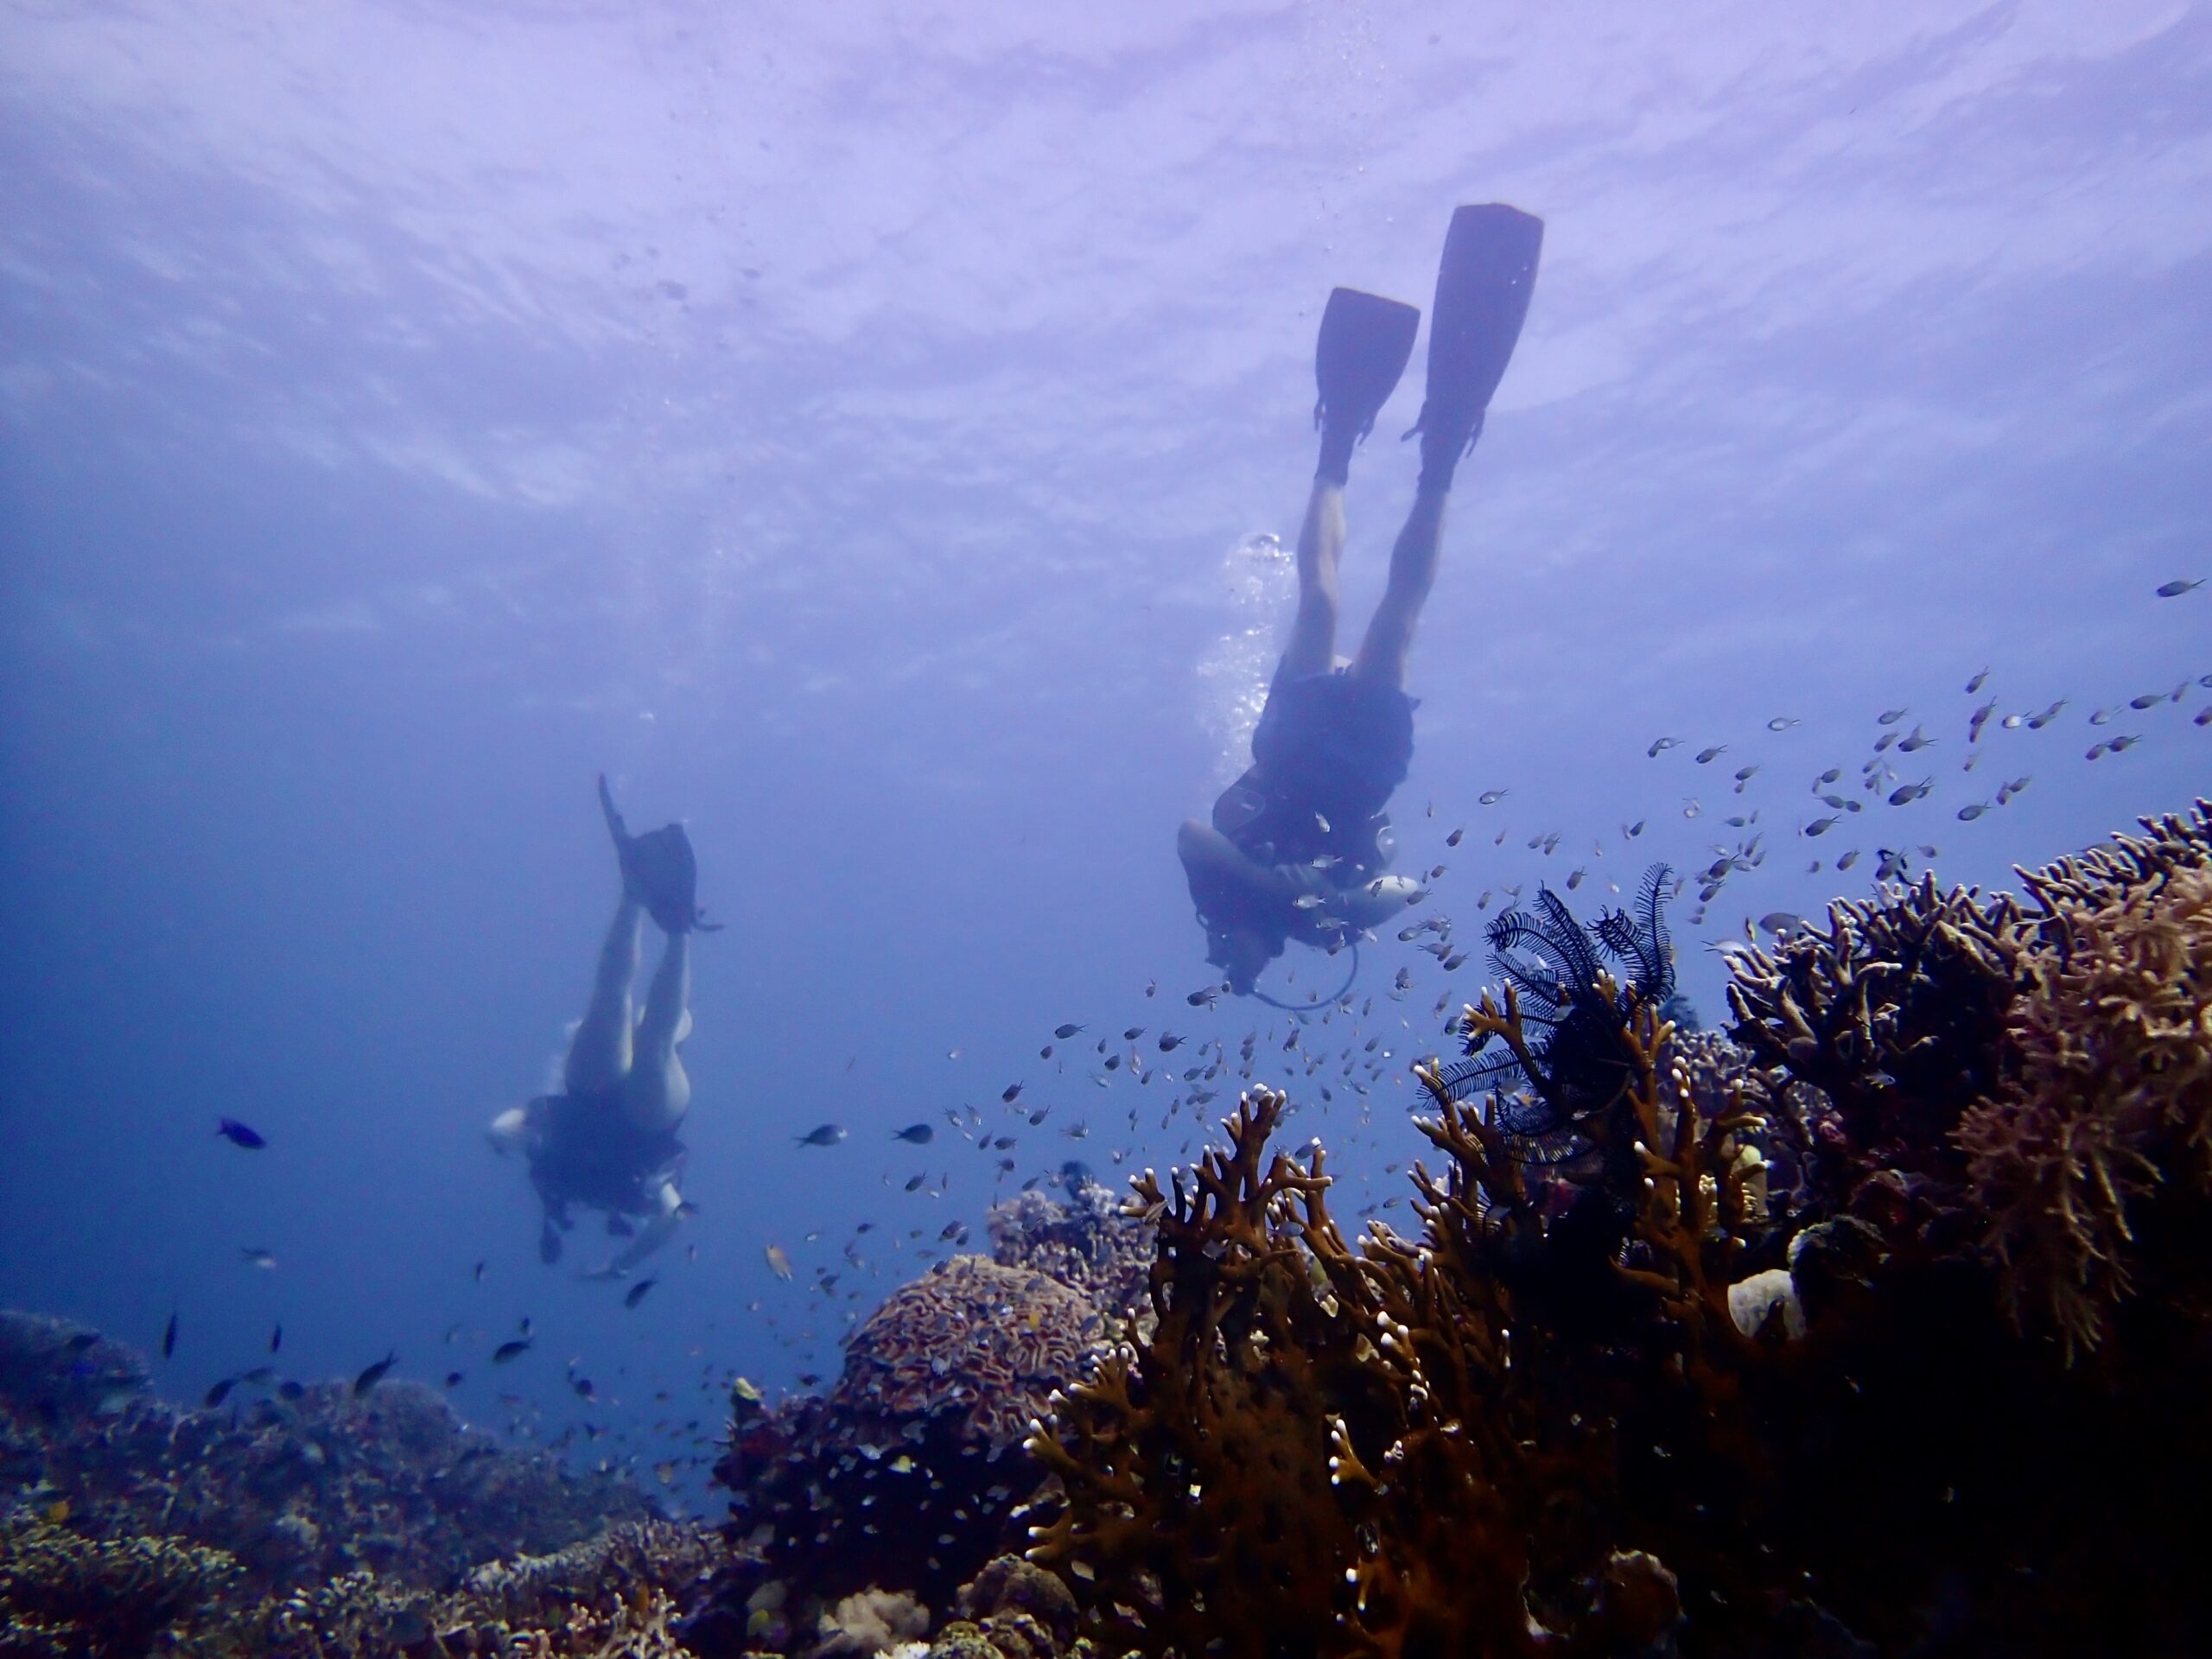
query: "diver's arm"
668, 1210
1205, 850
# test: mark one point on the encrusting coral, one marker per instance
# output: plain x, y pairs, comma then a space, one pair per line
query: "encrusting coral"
1727, 1350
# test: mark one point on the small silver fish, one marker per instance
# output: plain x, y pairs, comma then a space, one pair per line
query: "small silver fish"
1661, 744
2177, 588
1491, 796
1691, 809
2103, 716
1782, 723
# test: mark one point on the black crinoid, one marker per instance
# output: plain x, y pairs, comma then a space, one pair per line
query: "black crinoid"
1580, 1069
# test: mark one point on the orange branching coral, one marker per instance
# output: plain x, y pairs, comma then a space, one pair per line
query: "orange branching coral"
1393, 1450
2109, 1096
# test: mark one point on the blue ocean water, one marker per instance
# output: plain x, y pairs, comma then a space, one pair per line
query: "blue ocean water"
856, 432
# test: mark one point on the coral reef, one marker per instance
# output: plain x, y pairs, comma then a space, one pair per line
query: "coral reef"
310, 1522
64, 1594
1768, 1347
1085, 1242
910, 1474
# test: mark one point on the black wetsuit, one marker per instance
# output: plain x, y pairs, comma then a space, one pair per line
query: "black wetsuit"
584, 1150
1330, 751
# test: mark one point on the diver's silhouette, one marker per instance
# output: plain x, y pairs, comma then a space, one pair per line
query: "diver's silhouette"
1299, 845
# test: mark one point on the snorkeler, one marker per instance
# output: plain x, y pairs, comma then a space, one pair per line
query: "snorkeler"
1300, 844
607, 1141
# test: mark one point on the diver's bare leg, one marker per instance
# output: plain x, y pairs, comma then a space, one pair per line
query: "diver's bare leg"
599, 1054
1389, 638
658, 1090
1312, 646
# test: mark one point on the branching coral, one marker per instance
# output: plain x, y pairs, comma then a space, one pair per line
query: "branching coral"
1715, 1351
64, 1594
2108, 1094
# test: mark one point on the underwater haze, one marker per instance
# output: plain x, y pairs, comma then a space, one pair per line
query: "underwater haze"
871, 435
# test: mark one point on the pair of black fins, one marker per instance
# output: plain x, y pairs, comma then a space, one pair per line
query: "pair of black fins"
659, 870
1483, 285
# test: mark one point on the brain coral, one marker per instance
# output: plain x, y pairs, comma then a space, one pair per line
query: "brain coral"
973, 1338
910, 1474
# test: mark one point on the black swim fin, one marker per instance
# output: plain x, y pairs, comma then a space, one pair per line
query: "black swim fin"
1364, 343
658, 868
1483, 286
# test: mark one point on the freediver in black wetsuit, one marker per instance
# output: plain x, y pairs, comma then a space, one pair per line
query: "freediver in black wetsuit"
607, 1141
1299, 845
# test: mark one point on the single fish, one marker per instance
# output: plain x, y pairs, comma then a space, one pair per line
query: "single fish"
1975, 683
220, 1392
1691, 809
582, 1385
2204, 716
1972, 810
1781, 921
2095, 750
1659, 745
1847, 860
1453, 840
2177, 588
507, 1352
639, 1291
260, 1375
1745, 774
78, 1342
1890, 716
1782, 723
825, 1134
1010, 1093
1704, 756
1918, 740
1884, 742
291, 1389
1491, 796
1828, 776
1904, 793
1821, 826
375, 1373
779, 1263
453, 1379
1978, 719
919, 1134
2036, 723
240, 1135
276, 1337
2103, 716
1633, 830
479, 1273
256, 1255
913, 1185
2125, 742
1066, 1031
